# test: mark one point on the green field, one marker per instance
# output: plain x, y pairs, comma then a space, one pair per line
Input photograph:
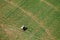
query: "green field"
42, 17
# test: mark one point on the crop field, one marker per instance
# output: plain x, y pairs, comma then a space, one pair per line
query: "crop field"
41, 17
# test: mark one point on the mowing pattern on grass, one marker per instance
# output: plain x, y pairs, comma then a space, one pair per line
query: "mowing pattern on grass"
42, 17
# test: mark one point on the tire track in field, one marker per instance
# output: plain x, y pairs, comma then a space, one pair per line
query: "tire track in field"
12, 33
7, 31
49, 4
41, 24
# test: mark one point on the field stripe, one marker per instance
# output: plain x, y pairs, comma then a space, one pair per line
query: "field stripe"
41, 24
7, 31
12, 33
49, 4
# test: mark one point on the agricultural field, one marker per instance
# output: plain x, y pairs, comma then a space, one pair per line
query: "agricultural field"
41, 17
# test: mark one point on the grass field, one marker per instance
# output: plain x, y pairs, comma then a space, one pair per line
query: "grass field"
42, 17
